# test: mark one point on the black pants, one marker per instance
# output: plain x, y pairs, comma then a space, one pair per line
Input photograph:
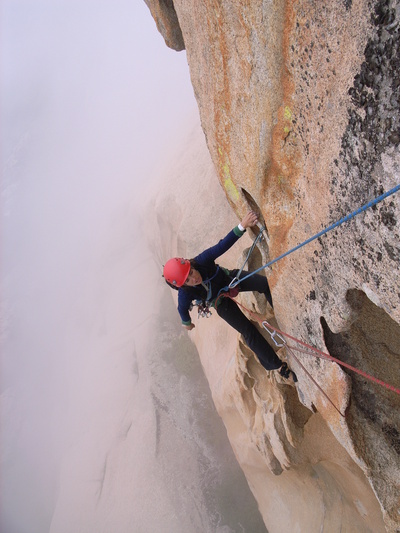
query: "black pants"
230, 312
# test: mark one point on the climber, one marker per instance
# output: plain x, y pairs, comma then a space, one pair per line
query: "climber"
202, 279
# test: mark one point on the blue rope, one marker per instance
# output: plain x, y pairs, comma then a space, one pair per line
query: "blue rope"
335, 225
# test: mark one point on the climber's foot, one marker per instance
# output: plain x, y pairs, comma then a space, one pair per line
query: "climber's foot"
288, 374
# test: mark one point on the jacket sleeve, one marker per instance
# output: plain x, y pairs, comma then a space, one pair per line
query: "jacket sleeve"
211, 254
184, 301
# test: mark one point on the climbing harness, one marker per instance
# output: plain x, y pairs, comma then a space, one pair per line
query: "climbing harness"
323, 232
207, 286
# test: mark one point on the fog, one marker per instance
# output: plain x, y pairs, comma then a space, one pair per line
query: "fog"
92, 100
94, 436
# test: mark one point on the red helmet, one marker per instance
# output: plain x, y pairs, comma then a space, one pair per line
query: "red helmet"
176, 271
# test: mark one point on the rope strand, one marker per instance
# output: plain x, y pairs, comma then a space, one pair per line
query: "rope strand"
314, 381
323, 232
310, 350
322, 355
315, 351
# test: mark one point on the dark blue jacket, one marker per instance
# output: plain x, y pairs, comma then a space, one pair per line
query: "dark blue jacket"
214, 276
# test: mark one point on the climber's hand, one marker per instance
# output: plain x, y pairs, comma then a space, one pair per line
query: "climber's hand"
249, 220
189, 327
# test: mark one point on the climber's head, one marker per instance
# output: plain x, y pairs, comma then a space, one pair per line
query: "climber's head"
176, 271
179, 271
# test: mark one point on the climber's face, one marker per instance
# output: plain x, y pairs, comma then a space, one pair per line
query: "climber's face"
194, 278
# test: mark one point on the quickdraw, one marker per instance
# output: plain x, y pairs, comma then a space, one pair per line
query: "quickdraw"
203, 308
273, 333
280, 342
236, 279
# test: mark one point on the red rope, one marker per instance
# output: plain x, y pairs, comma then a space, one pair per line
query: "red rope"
289, 348
321, 355
231, 296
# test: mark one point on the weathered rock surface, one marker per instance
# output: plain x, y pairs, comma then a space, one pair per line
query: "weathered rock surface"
164, 14
299, 102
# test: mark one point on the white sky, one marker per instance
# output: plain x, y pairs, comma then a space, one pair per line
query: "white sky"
92, 102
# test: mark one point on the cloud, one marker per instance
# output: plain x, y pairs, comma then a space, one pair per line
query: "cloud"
92, 100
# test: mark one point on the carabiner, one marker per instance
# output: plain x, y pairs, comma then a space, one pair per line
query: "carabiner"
231, 284
274, 334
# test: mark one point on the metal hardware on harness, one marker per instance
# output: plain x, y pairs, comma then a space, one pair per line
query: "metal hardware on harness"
274, 334
235, 279
203, 309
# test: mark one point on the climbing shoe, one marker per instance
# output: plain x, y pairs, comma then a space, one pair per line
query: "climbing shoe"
286, 373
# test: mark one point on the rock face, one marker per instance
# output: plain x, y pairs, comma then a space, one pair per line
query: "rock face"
167, 23
299, 102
